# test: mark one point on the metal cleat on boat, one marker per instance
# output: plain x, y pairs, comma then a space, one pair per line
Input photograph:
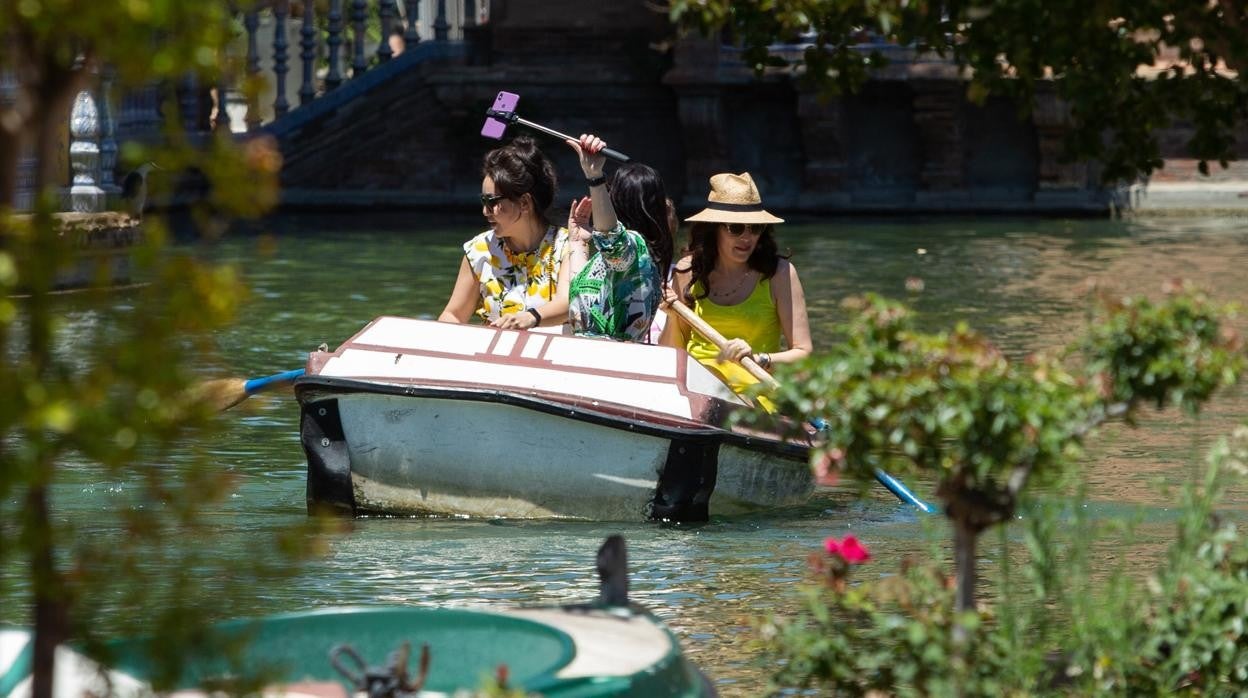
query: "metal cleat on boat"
388, 681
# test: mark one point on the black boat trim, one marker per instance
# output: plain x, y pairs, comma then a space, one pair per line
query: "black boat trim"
338, 386
686, 482
329, 487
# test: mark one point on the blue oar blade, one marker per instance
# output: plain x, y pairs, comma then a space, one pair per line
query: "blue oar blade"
902, 492
256, 385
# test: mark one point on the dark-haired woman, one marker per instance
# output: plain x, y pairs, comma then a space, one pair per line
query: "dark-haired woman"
510, 273
615, 292
735, 279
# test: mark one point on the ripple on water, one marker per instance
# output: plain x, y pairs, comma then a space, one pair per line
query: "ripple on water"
1022, 283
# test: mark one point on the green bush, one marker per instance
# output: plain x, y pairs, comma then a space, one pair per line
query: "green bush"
1179, 631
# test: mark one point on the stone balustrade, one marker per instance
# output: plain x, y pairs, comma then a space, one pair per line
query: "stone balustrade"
300, 55
303, 55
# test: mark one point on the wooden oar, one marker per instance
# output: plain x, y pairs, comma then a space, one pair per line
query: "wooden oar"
225, 393
695, 321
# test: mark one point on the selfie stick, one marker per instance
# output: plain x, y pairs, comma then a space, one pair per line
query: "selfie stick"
503, 114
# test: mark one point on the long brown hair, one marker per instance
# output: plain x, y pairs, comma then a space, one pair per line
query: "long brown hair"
640, 202
703, 254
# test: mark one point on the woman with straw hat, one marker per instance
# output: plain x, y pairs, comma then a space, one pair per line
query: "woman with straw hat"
734, 279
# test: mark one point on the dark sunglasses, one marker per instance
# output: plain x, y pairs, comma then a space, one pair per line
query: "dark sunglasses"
489, 200
738, 229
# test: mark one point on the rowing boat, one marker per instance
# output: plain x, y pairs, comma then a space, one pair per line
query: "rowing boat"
414, 417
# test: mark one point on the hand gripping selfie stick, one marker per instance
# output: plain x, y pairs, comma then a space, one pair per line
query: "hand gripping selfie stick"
504, 113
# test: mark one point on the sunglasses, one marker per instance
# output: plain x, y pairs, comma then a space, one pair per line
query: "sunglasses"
738, 229
490, 200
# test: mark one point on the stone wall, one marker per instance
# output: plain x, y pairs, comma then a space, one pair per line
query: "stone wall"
412, 139
908, 142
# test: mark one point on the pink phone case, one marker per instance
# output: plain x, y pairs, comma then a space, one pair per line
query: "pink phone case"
505, 102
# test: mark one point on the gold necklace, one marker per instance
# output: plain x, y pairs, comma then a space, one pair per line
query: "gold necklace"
737, 287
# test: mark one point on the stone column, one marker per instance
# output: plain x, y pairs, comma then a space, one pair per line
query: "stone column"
824, 139
703, 128
108, 136
939, 119
1057, 182
695, 78
138, 118
85, 194
24, 193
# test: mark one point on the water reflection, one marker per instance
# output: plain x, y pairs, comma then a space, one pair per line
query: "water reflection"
1019, 282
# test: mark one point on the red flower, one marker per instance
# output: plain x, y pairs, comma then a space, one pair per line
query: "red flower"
848, 549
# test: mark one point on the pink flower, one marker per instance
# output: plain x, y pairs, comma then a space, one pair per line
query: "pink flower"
848, 549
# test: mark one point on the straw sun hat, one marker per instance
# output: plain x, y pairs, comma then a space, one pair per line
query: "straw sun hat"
733, 199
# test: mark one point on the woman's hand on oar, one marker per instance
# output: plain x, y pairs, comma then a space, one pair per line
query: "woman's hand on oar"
695, 321
224, 393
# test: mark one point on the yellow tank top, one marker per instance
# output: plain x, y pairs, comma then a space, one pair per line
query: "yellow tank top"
755, 320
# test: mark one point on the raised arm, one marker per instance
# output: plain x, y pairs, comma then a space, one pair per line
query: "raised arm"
589, 149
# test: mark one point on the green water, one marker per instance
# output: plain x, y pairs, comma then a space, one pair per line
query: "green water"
1019, 281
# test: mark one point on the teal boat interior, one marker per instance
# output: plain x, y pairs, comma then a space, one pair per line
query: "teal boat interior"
548, 651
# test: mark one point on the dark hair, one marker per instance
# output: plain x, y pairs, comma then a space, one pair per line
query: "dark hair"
704, 253
641, 204
519, 168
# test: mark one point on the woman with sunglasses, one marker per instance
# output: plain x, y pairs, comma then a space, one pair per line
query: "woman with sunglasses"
615, 292
735, 279
509, 275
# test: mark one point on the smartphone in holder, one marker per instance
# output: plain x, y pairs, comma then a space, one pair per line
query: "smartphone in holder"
504, 103
503, 114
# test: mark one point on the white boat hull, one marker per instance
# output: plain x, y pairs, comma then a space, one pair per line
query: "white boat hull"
434, 444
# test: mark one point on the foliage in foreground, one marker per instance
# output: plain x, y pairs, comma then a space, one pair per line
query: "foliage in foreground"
952, 407
1125, 69
96, 389
1182, 631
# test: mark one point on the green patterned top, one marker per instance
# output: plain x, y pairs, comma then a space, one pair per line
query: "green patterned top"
617, 293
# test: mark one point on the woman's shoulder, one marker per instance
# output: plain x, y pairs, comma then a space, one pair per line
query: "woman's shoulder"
633, 235
481, 241
556, 237
785, 271
785, 279
620, 233
483, 250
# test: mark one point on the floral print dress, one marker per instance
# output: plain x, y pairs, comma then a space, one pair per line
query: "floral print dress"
512, 282
617, 293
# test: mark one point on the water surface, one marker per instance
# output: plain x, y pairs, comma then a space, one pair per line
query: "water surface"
1022, 282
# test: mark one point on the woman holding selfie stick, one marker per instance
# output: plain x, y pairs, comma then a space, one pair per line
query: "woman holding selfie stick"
615, 292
